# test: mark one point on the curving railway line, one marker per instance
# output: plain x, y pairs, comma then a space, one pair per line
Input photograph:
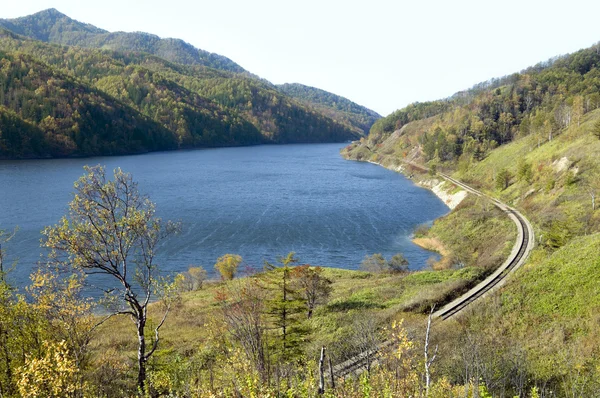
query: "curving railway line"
521, 249
520, 252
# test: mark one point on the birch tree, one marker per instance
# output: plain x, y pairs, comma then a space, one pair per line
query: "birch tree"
112, 230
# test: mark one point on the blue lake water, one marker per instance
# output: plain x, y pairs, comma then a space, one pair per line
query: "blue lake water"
260, 202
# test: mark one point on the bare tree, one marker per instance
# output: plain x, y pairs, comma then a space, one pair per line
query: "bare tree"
242, 307
366, 339
592, 189
112, 230
312, 285
528, 101
321, 371
429, 359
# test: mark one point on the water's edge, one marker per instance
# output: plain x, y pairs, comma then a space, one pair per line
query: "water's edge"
450, 195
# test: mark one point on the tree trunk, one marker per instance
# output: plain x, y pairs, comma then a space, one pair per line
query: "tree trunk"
141, 323
7, 363
428, 360
321, 371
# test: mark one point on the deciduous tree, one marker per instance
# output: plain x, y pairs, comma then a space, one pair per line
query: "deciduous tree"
112, 230
398, 263
192, 279
312, 286
243, 310
54, 375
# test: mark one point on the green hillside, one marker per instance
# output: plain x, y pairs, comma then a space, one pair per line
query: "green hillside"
194, 104
338, 108
46, 113
54, 27
531, 139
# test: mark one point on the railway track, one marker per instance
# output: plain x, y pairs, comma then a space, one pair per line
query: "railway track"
521, 249
520, 252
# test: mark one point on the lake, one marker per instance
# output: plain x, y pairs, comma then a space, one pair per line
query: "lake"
259, 202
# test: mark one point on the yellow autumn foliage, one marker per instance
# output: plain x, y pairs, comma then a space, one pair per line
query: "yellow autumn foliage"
54, 374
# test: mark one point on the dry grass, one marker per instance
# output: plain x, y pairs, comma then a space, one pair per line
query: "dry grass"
435, 245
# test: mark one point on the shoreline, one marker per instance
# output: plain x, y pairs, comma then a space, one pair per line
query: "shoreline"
435, 185
451, 195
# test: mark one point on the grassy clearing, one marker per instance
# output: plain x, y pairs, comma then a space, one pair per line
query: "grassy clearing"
475, 233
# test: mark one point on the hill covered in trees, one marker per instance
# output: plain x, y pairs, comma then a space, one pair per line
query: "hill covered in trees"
193, 98
531, 139
53, 26
339, 108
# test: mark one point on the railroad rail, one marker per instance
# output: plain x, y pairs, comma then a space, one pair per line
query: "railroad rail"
521, 249
520, 252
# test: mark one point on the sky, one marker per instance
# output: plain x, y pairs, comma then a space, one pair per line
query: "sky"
381, 54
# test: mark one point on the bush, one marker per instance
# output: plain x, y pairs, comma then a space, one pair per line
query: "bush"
227, 265
374, 263
421, 230
502, 179
192, 279
525, 172
377, 263
398, 263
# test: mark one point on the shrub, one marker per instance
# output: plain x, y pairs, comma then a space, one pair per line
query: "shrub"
398, 263
227, 265
377, 263
374, 263
525, 172
502, 179
192, 279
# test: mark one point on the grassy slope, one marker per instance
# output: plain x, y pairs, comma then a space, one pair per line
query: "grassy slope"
476, 234
552, 193
545, 319
193, 328
549, 311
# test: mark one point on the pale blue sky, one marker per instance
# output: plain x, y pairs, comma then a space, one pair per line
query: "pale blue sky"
381, 54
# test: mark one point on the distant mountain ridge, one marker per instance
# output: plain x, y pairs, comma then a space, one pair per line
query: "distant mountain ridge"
187, 96
52, 26
333, 105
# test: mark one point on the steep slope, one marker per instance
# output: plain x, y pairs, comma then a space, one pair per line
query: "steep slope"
530, 139
54, 27
46, 113
335, 106
197, 105
241, 102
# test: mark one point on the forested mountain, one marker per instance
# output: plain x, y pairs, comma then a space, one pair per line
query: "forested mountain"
54, 27
193, 104
335, 106
45, 113
541, 100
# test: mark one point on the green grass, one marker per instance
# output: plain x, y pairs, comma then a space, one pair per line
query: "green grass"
561, 288
553, 195
549, 312
357, 295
